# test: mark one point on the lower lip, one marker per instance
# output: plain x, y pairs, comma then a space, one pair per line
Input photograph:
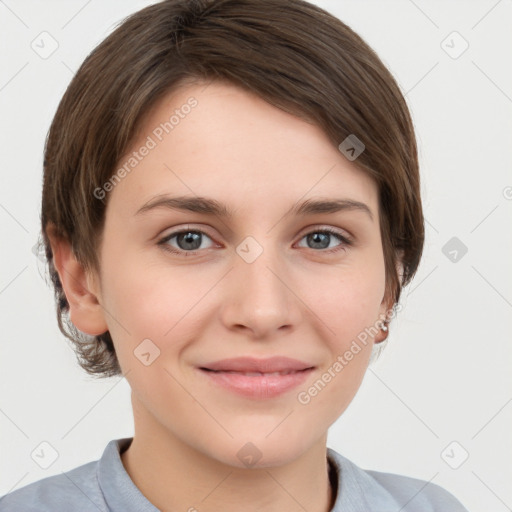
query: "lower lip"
258, 386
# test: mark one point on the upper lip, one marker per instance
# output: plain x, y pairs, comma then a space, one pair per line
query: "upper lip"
251, 364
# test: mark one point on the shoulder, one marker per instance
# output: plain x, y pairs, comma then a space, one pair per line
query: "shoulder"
77, 489
380, 491
416, 494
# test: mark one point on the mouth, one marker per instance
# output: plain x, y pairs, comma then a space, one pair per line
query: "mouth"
279, 365
257, 374
256, 385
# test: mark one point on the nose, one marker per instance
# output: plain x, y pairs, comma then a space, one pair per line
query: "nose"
259, 295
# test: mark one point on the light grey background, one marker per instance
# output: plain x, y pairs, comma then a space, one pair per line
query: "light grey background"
445, 374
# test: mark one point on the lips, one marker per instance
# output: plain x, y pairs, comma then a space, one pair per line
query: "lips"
257, 379
250, 366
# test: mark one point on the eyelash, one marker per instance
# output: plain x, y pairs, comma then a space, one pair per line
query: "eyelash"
346, 242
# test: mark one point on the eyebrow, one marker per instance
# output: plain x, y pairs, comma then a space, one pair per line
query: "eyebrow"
208, 206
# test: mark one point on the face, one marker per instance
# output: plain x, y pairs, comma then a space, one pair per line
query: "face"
181, 289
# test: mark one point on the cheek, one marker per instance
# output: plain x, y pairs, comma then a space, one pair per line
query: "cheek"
348, 307
348, 300
148, 299
139, 303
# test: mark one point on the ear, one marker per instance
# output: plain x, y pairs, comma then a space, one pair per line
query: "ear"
386, 307
80, 287
384, 311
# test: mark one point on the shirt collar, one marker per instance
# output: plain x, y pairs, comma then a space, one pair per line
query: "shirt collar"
120, 493
356, 491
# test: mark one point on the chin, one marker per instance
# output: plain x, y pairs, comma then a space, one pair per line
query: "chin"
259, 451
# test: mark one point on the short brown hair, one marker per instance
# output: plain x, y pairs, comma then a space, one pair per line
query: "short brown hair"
293, 54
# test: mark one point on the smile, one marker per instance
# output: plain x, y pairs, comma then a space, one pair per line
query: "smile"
257, 385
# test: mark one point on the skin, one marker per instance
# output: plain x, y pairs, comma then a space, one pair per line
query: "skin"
295, 300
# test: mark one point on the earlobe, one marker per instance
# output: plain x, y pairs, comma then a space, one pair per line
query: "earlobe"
85, 310
386, 311
383, 332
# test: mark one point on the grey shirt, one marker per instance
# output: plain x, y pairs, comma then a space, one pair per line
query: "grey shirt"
104, 485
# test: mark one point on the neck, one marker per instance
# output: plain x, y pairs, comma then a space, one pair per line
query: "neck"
174, 475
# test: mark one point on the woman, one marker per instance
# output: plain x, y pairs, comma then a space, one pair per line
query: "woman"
231, 207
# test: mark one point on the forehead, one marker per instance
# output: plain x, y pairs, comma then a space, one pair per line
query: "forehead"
220, 141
